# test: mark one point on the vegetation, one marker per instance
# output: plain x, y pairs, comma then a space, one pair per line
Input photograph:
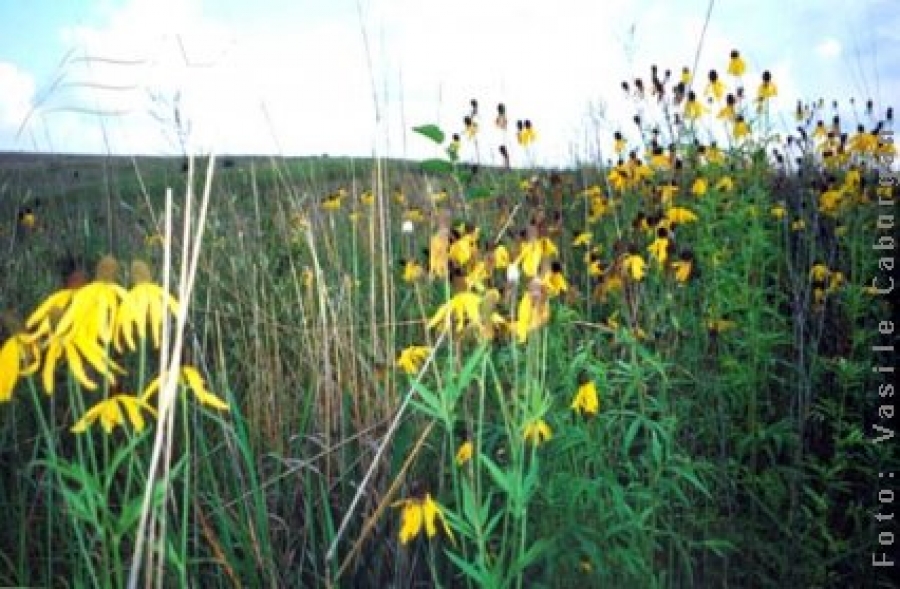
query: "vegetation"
655, 372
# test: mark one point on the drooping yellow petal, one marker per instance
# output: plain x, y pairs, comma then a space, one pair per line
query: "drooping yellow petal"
54, 353
411, 519
55, 302
133, 407
9, 368
77, 367
196, 384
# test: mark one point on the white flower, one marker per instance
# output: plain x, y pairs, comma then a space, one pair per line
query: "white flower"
512, 273
407, 226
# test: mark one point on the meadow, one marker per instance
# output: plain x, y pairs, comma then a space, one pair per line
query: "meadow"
655, 369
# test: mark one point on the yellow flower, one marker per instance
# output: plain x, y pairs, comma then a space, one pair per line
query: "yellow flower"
715, 87
725, 184
190, 378
476, 277
501, 257
16, 351
525, 133
599, 207
836, 279
94, 307
414, 215
27, 219
736, 65
462, 249
777, 211
720, 325
819, 272
659, 250
741, 128
680, 215
554, 281
586, 400
682, 269
582, 239
693, 110
529, 258
699, 187
417, 513
830, 201
767, 88
464, 453
533, 311
411, 358
109, 412
635, 266
332, 202
43, 319
146, 301
462, 308
412, 271
667, 192
537, 432
438, 254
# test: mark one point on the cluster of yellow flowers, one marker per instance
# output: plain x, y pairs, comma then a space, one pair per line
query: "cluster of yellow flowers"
86, 326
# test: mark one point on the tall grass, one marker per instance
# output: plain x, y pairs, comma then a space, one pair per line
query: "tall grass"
728, 448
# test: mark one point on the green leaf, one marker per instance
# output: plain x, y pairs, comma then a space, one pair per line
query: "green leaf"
433, 132
437, 166
478, 193
501, 478
479, 576
630, 434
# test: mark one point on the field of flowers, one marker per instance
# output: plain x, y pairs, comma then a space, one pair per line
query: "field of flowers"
657, 369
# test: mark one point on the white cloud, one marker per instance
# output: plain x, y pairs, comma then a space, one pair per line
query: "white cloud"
303, 81
829, 48
16, 99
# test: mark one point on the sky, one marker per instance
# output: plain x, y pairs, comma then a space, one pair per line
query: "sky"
352, 77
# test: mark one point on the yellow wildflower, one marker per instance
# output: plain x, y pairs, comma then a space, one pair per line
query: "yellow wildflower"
533, 311
555, 281
419, 513
586, 400
699, 187
634, 266
146, 301
461, 309
715, 87
659, 249
767, 88
680, 215
537, 432
109, 412
818, 272
464, 453
582, 239
438, 253
411, 358
15, 352
725, 184
736, 65
501, 257
190, 378
693, 110
462, 249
